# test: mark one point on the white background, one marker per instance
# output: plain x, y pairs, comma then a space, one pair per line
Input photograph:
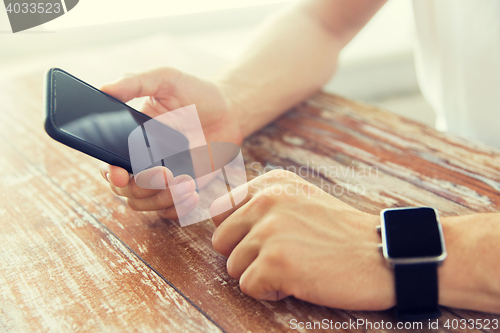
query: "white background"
377, 66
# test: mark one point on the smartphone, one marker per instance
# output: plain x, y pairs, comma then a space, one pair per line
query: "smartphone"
86, 119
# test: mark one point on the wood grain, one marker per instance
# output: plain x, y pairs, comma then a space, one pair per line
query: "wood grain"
62, 270
73, 246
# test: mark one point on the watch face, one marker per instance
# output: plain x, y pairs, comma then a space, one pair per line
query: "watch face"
412, 233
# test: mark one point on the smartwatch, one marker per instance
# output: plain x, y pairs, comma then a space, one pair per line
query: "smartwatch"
413, 244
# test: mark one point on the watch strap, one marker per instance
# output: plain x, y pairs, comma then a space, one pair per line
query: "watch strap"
417, 291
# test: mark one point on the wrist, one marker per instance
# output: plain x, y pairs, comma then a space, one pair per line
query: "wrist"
384, 294
231, 94
414, 246
468, 277
448, 275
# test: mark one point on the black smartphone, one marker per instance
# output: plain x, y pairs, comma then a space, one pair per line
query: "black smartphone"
91, 121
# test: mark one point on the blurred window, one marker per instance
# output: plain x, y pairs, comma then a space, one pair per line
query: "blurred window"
95, 12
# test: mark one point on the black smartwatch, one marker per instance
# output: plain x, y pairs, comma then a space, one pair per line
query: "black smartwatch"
413, 244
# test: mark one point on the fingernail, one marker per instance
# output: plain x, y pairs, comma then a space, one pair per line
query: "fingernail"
158, 181
189, 202
107, 177
184, 187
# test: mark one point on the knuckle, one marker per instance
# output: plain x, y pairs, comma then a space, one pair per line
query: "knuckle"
252, 283
133, 204
274, 193
262, 202
160, 200
279, 175
128, 75
221, 248
275, 259
115, 190
167, 214
248, 283
135, 191
169, 70
166, 69
217, 219
245, 287
231, 268
218, 244
268, 227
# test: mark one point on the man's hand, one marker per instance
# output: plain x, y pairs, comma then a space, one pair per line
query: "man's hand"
288, 237
169, 89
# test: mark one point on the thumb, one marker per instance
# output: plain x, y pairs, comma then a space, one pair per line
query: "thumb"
156, 83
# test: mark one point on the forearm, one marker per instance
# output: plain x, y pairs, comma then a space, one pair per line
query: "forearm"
292, 57
470, 275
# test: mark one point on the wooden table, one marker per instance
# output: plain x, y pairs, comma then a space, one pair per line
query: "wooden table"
74, 257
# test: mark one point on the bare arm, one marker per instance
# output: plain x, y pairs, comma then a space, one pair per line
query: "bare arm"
319, 249
470, 277
292, 57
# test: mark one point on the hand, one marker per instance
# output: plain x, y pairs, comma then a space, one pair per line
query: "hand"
169, 89
290, 238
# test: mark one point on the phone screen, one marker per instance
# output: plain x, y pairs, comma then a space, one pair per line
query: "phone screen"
92, 116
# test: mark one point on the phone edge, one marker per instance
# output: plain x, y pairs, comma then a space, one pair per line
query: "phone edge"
68, 140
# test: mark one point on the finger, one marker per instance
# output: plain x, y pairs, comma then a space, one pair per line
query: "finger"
152, 107
257, 283
224, 205
180, 209
242, 256
235, 227
273, 296
182, 188
222, 208
157, 178
116, 176
133, 191
142, 84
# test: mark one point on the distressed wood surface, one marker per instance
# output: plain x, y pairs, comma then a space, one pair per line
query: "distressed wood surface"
75, 257
62, 270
